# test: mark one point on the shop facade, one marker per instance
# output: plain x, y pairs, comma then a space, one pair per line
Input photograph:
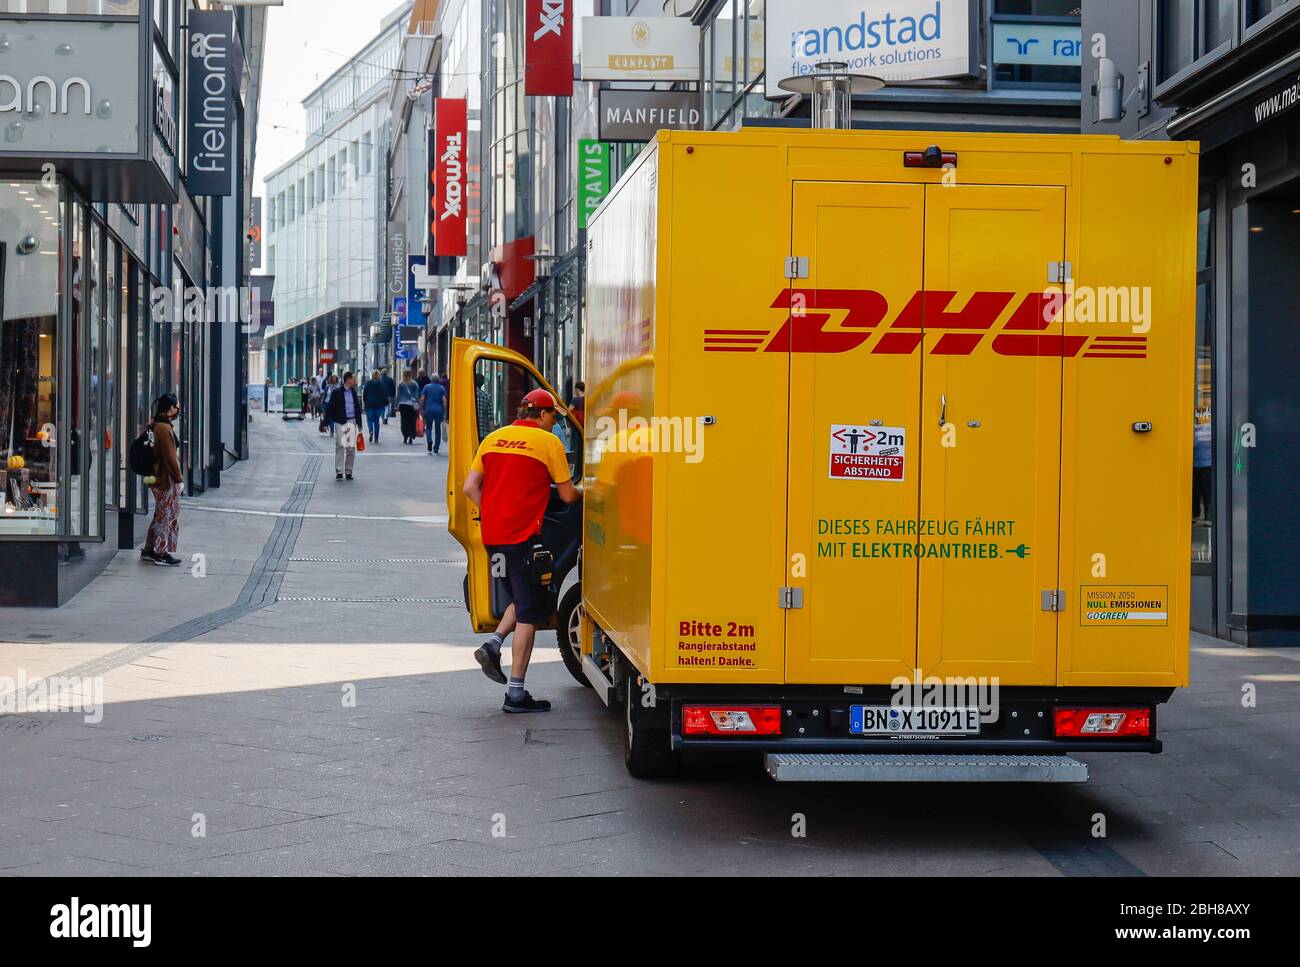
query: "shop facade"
100, 244
1227, 74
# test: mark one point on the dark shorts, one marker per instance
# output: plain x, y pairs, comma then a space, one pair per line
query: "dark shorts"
533, 605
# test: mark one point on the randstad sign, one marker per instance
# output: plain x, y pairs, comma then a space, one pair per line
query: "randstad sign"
897, 40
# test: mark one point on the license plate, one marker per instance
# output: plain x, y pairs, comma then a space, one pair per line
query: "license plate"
892, 720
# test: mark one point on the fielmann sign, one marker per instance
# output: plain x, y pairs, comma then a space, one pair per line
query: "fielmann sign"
896, 40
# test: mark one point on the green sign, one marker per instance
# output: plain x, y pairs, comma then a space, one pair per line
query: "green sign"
292, 399
593, 177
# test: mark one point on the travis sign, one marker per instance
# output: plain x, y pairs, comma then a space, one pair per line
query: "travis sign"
896, 40
447, 143
548, 47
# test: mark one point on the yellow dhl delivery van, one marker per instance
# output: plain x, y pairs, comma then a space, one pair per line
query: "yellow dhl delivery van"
887, 451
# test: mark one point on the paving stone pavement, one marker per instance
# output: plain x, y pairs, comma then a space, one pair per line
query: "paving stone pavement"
247, 729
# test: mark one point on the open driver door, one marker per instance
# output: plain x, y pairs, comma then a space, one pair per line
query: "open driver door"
488, 383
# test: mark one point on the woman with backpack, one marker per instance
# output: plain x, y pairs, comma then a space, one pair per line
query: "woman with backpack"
166, 486
408, 401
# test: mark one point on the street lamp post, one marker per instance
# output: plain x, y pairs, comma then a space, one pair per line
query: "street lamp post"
832, 88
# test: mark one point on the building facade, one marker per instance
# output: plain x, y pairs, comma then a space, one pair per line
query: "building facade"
116, 251
522, 282
1226, 73
325, 233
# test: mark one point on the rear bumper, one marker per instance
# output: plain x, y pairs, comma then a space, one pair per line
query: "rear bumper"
815, 719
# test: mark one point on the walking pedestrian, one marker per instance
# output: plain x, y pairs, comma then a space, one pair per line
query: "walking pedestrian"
434, 400
344, 412
392, 394
375, 396
331, 385
423, 380
408, 400
445, 382
164, 529
483, 414
578, 408
510, 481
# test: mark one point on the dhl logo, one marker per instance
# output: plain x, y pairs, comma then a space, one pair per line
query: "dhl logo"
512, 444
863, 310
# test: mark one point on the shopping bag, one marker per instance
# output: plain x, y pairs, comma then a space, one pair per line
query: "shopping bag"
361, 442
419, 425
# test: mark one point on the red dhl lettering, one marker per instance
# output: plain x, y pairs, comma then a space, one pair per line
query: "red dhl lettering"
1025, 332
512, 444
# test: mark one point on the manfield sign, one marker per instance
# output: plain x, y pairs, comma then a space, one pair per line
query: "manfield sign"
896, 40
636, 115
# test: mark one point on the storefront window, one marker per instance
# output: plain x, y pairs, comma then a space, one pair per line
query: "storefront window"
1203, 414
1189, 30
1257, 10
116, 363
78, 8
30, 220
93, 445
74, 499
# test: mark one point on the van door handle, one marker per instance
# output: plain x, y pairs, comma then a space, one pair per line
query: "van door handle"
943, 411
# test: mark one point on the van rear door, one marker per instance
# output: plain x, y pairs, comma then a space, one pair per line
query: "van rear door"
925, 427
854, 464
991, 473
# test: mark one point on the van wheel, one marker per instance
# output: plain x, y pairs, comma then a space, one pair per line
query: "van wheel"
647, 744
568, 628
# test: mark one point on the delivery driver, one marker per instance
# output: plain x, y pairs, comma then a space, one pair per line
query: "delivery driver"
510, 480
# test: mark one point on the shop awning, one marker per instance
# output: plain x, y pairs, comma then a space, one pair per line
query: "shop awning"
1269, 95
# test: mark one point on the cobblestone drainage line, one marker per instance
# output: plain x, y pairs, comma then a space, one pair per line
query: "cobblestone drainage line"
259, 590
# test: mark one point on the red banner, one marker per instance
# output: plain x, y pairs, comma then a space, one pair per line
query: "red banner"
447, 164
548, 47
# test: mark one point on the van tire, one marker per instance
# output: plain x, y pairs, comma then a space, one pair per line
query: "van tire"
647, 743
566, 633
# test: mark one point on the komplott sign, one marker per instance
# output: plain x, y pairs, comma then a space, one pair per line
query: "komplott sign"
640, 49
447, 220
897, 40
637, 115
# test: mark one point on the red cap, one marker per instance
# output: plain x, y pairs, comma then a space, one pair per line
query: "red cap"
540, 399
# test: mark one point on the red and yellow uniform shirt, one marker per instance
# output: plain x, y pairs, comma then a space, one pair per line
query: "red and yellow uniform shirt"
518, 462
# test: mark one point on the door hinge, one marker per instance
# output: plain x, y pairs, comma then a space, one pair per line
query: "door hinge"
796, 267
791, 598
1060, 272
1054, 600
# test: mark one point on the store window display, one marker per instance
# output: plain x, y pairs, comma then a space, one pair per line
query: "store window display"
30, 217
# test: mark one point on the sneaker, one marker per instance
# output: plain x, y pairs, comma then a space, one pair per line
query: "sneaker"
525, 704
490, 662
147, 554
166, 560
338, 476
349, 477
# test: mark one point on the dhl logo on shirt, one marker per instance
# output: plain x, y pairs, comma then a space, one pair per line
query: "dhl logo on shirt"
512, 444
863, 310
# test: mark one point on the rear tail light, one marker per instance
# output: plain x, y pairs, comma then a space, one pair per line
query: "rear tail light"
1088, 722
731, 720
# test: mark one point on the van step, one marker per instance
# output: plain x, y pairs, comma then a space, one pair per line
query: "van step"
902, 767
